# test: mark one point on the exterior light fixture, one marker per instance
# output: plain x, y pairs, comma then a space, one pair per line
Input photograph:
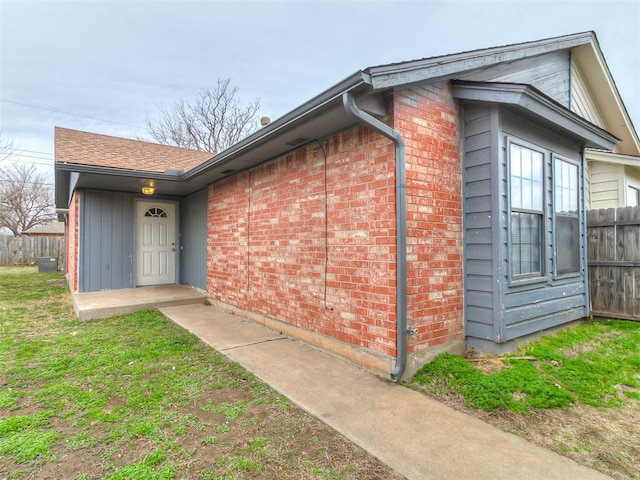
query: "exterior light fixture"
148, 190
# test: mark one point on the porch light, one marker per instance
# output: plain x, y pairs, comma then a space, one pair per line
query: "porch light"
148, 190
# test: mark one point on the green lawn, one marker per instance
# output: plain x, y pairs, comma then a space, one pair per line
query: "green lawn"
576, 392
136, 397
596, 363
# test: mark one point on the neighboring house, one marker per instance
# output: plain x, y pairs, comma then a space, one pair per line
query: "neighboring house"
613, 178
54, 229
412, 208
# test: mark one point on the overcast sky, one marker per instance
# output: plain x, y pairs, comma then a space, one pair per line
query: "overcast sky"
102, 66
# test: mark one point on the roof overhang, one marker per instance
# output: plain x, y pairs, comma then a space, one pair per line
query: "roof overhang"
446, 66
530, 102
320, 117
614, 158
591, 61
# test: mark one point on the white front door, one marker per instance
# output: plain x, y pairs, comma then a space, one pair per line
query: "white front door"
156, 243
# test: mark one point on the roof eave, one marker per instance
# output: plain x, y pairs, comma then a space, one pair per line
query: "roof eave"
393, 75
531, 101
614, 158
603, 85
306, 110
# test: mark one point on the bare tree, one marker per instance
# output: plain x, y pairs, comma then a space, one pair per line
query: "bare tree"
213, 122
6, 147
26, 200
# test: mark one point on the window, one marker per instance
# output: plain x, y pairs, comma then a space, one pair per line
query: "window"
632, 197
155, 212
567, 225
527, 209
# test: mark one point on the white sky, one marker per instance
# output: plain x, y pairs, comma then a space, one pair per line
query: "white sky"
108, 61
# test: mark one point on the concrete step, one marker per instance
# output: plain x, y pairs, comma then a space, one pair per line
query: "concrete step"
108, 303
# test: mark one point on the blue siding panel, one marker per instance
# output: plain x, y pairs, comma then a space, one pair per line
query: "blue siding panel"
194, 240
106, 241
499, 309
549, 73
478, 257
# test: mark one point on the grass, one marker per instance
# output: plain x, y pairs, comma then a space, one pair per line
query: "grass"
576, 392
136, 396
597, 363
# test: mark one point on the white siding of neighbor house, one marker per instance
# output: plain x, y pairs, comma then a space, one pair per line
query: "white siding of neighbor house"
607, 185
582, 101
587, 185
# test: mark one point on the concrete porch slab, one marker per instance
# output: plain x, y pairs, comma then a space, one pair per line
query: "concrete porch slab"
107, 303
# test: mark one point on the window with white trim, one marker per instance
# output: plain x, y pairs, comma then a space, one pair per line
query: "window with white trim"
566, 220
526, 171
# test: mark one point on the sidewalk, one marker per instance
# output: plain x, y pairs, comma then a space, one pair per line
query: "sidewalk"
418, 437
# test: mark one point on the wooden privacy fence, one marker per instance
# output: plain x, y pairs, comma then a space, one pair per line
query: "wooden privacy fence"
613, 259
26, 250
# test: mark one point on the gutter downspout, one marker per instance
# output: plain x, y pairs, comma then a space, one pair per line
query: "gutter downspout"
352, 110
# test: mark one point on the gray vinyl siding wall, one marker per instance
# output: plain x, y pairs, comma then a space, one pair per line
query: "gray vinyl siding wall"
194, 240
499, 309
106, 241
549, 73
479, 229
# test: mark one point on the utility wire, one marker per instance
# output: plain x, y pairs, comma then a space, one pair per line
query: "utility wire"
68, 113
33, 151
17, 157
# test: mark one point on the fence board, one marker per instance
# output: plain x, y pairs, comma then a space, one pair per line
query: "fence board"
613, 259
26, 250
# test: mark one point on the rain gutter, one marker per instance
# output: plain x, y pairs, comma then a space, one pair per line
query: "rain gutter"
352, 109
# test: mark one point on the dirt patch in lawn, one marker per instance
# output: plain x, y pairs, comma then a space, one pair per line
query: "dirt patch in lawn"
269, 440
137, 397
605, 439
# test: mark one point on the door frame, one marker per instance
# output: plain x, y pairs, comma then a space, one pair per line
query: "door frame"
159, 201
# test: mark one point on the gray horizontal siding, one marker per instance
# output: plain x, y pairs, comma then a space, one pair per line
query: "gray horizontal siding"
479, 304
479, 330
530, 308
523, 295
534, 311
497, 309
550, 73
554, 319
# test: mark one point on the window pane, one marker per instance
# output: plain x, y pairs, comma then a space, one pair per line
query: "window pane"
565, 187
526, 236
632, 197
567, 226
526, 173
567, 246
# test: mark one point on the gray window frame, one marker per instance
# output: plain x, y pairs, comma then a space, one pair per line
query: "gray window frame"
578, 216
542, 275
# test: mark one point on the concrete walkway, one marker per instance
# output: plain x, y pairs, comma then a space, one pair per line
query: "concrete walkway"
418, 437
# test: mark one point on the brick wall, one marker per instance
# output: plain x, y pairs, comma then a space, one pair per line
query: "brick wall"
72, 238
427, 119
273, 231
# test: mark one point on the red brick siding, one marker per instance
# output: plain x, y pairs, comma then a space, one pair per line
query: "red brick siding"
72, 238
267, 232
427, 119
272, 260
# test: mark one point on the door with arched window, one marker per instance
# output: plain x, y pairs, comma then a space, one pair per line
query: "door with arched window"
156, 243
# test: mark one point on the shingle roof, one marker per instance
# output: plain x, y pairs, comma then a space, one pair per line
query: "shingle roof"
74, 146
55, 228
